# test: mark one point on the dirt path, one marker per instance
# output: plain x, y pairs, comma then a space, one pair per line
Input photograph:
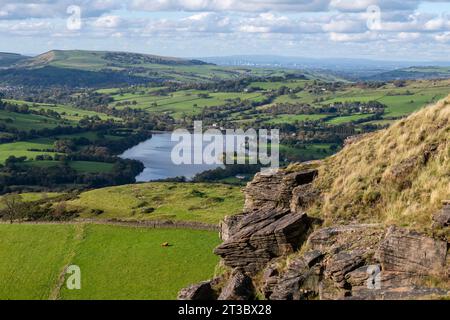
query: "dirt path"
77, 238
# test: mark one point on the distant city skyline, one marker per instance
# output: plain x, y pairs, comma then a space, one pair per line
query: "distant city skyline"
368, 29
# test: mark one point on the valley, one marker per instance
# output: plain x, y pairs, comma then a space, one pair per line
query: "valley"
78, 187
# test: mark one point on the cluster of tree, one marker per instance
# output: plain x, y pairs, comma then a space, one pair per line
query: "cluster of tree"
50, 76
16, 209
135, 59
342, 108
14, 175
226, 172
25, 109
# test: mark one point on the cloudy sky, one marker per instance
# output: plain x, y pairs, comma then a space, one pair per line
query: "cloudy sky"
382, 29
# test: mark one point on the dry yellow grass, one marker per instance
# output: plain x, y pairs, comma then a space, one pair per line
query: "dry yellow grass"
396, 176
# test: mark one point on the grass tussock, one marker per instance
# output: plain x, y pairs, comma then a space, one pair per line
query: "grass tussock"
399, 175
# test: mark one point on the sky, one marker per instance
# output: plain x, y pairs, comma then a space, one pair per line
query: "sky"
373, 29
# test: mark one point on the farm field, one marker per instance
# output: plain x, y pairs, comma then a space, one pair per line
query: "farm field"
400, 101
207, 203
69, 113
291, 118
80, 166
180, 102
21, 149
115, 262
29, 122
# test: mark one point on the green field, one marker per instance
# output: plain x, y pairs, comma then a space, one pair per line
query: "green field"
20, 149
27, 122
115, 262
291, 118
69, 113
80, 166
180, 102
400, 101
207, 203
347, 119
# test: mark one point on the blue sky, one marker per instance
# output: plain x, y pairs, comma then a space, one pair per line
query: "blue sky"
377, 29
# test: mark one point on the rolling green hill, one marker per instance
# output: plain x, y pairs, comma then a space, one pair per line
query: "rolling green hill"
206, 203
103, 69
9, 59
98, 60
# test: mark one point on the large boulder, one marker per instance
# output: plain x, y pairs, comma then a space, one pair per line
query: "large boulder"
263, 235
274, 188
406, 251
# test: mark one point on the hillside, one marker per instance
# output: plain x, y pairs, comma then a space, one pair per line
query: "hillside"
8, 59
103, 69
411, 73
97, 60
398, 175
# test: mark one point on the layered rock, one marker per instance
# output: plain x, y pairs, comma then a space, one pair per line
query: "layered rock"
238, 287
268, 228
354, 261
262, 236
274, 189
407, 251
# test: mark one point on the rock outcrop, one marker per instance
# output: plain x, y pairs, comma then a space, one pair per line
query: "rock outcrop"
268, 228
263, 235
352, 261
274, 189
405, 251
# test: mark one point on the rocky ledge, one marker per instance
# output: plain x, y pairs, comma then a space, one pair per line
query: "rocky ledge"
276, 251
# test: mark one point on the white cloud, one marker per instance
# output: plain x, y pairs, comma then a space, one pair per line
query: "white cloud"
311, 25
108, 22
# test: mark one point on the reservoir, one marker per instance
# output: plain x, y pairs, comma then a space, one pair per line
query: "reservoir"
155, 154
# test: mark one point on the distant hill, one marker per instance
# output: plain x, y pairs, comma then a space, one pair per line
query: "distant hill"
9, 59
77, 68
96, 60
412, 73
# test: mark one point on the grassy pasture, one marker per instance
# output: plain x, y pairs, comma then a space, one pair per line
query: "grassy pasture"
177, 103
31, 258
27, 122
291, 118
115, 262
80, 166
67, 112
346, 119
21, 149
172, 201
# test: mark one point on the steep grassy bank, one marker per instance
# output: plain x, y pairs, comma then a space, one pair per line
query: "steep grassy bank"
399, 175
